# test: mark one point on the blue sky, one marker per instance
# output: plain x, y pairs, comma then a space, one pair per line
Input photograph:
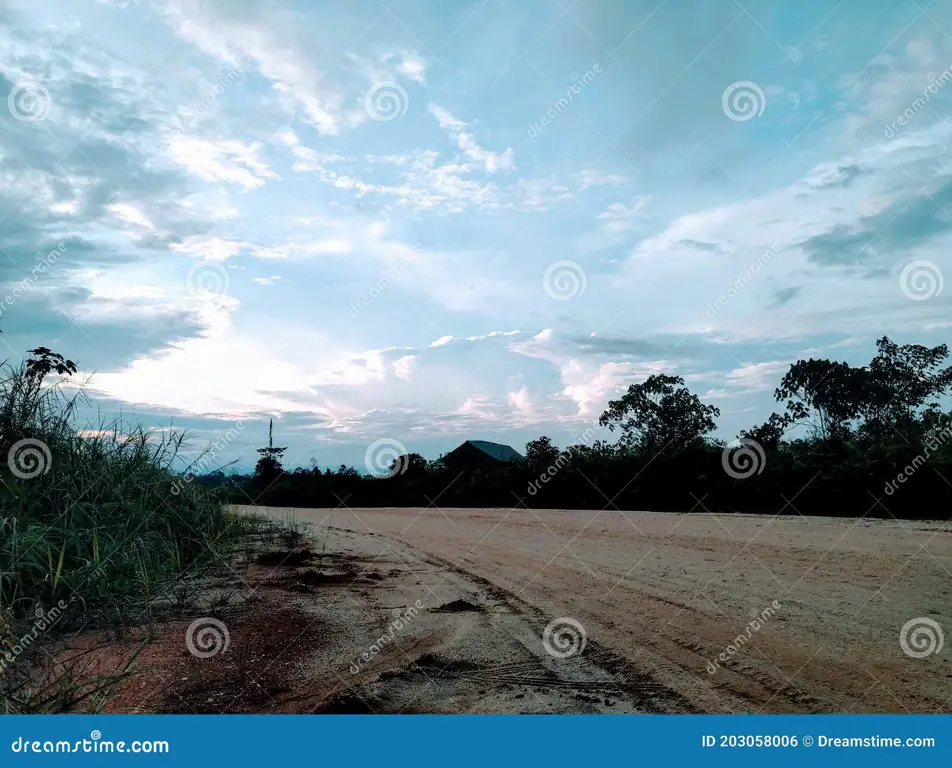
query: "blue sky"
425, 222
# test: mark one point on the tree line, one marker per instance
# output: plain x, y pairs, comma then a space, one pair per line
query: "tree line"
848, 441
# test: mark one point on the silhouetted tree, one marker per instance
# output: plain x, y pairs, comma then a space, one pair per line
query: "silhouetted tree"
43, 361
771, 432
541, 453
904, 380
824, 395
410, 465
269, 469
660, 413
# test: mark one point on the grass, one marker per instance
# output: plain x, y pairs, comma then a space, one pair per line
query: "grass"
91, 532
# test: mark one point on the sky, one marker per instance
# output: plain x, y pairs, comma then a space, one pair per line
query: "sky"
414, 223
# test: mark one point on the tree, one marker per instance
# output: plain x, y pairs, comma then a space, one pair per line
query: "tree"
412, 464
825, 395
770, 433
541, 453
660, 413
269, 469
904, 380
44, 361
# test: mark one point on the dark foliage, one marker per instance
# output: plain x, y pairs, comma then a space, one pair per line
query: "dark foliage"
875, 443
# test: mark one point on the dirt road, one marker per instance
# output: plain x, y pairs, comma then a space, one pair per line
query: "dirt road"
733, 613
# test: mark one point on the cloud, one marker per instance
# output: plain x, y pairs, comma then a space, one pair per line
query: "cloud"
127, 213
491, 161
228, 161
403, 366
212, 248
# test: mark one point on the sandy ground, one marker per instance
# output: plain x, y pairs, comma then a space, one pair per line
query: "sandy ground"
486, 610
658, 597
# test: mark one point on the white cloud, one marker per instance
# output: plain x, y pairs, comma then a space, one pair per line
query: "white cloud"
442, 341
413, 67
521, 402
330, 247
491, 161
619, 217
211, 248
403, 366
589, 178
130, 214
229, 161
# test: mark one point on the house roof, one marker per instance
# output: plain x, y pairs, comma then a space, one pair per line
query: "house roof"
496, 451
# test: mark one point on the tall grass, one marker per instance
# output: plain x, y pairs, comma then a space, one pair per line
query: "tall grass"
88, 518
